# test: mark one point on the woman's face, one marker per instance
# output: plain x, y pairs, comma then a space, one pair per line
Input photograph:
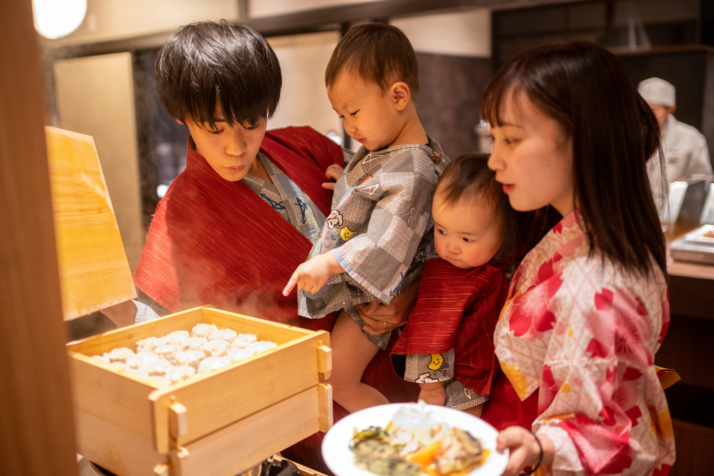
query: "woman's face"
532, 157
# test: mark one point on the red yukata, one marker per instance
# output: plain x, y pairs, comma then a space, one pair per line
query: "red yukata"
216, 242
458, 309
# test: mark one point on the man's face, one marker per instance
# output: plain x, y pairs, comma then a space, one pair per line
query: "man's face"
661, 112
230, 149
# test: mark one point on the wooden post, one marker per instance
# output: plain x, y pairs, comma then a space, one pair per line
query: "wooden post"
36, 428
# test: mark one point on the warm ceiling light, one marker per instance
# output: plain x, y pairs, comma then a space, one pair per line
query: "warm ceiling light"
56, 18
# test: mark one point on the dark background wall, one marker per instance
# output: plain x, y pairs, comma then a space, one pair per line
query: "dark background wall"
448, 104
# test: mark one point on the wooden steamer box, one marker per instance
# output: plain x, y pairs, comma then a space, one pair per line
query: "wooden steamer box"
219, 423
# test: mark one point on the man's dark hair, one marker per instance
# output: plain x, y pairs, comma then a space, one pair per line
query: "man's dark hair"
377, 52
467, 179
208, 63
585, 88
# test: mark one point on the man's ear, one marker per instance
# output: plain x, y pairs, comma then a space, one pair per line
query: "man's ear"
400, 95
672, 108
180, 122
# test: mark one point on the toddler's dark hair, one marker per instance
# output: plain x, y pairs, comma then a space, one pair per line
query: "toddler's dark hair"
208, 63
468, 178
377, 52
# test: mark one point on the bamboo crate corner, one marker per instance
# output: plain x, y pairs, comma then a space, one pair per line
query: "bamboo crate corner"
221, 422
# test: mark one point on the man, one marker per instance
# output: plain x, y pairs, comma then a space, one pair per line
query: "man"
685, 148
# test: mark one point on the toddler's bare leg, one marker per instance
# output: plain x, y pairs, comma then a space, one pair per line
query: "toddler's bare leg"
432, 393
351, 353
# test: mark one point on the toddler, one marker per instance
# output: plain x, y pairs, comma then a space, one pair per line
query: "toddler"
377, 238
447, 344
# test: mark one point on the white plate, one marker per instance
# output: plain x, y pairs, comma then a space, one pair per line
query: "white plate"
697, 236
339, 458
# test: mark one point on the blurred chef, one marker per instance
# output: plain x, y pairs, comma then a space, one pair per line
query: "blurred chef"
685, 149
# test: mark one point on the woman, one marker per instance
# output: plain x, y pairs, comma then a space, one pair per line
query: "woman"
588, 307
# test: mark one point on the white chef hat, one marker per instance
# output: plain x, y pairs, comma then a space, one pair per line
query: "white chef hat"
657, 91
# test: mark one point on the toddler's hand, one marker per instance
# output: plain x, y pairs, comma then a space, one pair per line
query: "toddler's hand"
313, 274
334, 172
433, 394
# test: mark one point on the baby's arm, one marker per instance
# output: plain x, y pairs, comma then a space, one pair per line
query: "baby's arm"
314, 273
433, 393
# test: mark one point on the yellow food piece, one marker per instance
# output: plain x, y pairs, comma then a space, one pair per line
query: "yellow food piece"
426, 455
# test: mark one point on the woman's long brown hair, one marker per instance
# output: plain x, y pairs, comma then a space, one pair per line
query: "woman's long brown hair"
586, 90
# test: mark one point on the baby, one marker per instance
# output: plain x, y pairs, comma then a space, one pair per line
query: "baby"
447, 343
377, 238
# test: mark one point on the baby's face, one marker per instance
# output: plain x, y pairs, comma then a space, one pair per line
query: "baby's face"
369, 114
467, 233
230, 149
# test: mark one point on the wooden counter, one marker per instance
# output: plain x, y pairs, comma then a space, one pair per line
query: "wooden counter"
688, 349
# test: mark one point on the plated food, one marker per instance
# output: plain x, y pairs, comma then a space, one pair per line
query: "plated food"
413, 440
180, 355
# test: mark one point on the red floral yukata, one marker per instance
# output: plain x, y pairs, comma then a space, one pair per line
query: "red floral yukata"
584, 335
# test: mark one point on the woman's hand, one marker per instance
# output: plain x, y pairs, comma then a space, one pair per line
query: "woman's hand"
334, 171
524, 449
313, 273
381, 318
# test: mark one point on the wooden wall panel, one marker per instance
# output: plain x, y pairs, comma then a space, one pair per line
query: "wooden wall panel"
36, 429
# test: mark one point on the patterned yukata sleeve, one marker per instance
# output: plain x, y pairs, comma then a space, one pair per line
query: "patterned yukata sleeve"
378, 259
597, 367
427, 368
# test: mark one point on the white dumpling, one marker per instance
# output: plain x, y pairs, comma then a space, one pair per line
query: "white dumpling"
262, 346
212, 363
193, 343
239, 354
203, 330
243, 340
224, 334
168, 352
177, 374
150, 343
176, 337
161, 381
140, 359
190, 357
120, 354
215, 348
157, 367
101, 358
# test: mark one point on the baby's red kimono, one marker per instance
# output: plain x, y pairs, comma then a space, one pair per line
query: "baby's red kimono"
216, 242
458, 309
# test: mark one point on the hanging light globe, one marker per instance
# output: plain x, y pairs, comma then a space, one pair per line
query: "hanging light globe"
58, 18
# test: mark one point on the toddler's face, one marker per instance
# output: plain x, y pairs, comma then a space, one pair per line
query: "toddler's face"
230, 149
467, 233
368, 113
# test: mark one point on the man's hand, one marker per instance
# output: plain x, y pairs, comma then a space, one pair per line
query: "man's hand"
333, 172
381, 318
122, 314
313, 273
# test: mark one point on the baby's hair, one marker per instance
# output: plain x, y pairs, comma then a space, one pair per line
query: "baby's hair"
376, 52
208, 63
467, 179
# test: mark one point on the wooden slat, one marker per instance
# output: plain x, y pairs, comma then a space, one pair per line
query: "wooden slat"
94, 270
239, 446
36, 427
113, 447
